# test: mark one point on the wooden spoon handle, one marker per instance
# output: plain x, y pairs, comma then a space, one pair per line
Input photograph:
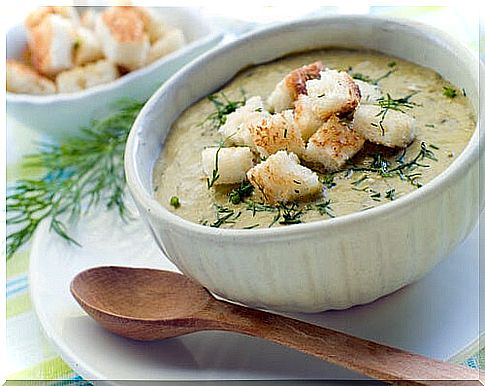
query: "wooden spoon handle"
372, 359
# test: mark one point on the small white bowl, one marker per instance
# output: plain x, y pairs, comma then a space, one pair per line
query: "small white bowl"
330, 264
61, 115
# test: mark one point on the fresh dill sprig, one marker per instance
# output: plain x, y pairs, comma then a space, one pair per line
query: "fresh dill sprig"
215, 171
388, 103
80, 173
224, 106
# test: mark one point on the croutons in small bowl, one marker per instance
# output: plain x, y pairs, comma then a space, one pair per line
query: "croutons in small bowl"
327, 264
67, 65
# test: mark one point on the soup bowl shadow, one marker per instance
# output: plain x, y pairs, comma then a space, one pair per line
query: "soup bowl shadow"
329, 264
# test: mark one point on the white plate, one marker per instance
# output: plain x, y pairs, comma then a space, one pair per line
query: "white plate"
437, 316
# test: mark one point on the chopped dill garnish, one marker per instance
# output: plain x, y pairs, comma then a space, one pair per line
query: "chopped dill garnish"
449, 92
241, 192
215, 172
383, 167
388, 103
360, 180
81, 172
224, 107
362, 77
429, 125
224, 216
175, 202
376, 196
391, 194
364, 189
368, 79
323, 208
251, 226
260, 207
391, 64
433, 146
291, 214
328, 180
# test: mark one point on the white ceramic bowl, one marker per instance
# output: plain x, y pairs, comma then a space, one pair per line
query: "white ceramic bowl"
330, 264
59, 115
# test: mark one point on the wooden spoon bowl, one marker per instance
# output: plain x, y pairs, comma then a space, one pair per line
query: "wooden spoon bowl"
148, 304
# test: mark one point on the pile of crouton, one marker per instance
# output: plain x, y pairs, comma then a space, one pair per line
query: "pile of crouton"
68, 52
315, 114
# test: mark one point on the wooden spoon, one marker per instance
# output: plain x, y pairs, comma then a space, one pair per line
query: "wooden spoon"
149, 304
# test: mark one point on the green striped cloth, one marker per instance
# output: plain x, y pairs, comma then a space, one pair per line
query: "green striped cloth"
29, 355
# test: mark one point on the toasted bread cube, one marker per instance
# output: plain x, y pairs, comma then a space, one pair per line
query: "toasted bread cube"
235, 130
282, 179
154, 25
22, 79
334, 93
52, 45
35, 18
333, 145
294, 84
277, 132
229, 163
369, 93
81, 78
87, 48
168, 43
123, 38
88, 19
394, 129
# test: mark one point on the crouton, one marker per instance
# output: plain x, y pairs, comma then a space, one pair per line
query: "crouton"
22, 79
152, 21
392, 129
281, 178
226, 165
52, 43
87, 48
369, 93
333, 145
334, 93
80, 78
123, 38
294, 84
35, 18
236, 128
88, 19
171, 41
277, 132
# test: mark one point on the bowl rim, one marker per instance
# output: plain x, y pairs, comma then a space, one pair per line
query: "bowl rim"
469, 156
214, 33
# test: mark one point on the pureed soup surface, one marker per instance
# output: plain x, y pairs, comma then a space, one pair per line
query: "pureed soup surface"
444, 122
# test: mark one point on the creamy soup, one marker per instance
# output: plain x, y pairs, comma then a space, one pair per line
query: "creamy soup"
445, 121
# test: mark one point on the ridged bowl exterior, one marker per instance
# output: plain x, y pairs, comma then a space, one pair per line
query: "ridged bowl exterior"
330, 264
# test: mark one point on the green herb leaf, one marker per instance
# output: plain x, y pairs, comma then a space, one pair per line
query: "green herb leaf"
449, 92
241, 192
175, 202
